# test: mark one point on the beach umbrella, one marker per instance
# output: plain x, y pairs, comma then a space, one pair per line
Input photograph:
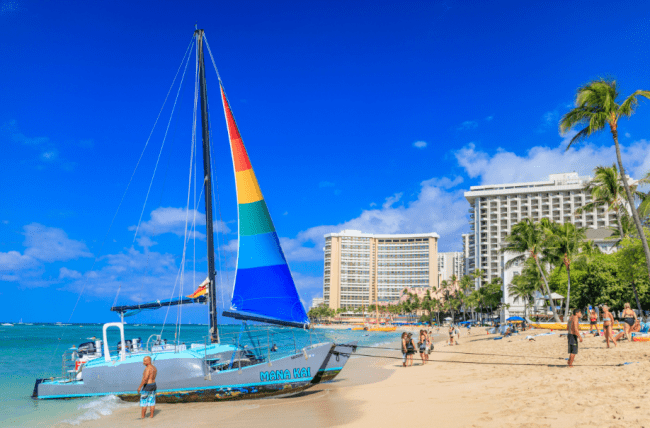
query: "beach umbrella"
515, 319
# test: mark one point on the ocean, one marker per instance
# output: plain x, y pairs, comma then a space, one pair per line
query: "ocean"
28, 352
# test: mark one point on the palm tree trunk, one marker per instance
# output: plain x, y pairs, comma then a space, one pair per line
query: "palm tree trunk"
548, 289
568, 291
630, 200
620, 226
636, 296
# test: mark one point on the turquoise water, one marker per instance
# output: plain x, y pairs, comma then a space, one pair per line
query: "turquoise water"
31, 352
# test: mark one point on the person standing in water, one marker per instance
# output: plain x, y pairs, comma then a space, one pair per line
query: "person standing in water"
148, 387
573, 328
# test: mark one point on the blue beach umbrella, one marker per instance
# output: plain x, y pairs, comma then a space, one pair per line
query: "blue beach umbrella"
515, 319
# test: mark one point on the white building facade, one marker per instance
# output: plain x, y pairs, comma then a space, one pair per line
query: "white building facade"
468, 262
496, 208
450, 264
317, 301
363, 268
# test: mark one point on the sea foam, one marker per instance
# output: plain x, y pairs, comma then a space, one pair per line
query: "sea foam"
95, 409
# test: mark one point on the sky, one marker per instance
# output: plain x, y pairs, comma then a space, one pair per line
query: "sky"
367, 115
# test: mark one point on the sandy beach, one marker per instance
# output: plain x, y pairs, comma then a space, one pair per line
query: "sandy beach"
482, 382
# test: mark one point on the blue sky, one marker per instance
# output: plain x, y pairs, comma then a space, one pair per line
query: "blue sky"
368, 115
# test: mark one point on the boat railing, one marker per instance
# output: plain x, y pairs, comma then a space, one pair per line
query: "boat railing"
69, 364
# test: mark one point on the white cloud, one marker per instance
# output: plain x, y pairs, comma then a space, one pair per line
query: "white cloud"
172, 220
308, 287
138, 275
68, 273
50, 155
43, 245
538, 162
420, 144
436, 209
468, 124
10, 129
48, 152
13, 261
489, 118
627, 135
50, 244
550, 120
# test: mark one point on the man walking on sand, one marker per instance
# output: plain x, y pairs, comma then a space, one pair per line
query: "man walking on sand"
148, 387
573, 329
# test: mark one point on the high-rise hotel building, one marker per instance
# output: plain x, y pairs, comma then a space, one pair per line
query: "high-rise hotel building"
468, 262
496, 208
450, 264
363, 268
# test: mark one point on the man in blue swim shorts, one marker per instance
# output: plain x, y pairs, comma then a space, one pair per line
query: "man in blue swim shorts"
147, 388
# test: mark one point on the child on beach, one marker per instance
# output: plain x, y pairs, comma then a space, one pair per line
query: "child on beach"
451, 335
573, 328
404, 349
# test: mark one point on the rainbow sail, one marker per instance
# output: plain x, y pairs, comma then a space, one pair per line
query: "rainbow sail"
263, 282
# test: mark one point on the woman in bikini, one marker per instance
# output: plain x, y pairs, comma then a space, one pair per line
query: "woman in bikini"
608, 322
422, 346
629, 318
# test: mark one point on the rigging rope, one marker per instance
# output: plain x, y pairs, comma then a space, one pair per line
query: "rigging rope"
220, 232
455, 352
161, 149
211, 57
101, 247
476, 362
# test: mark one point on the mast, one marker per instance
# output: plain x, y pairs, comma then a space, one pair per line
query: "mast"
212, 292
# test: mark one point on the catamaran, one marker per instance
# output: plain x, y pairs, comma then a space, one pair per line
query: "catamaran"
264, 291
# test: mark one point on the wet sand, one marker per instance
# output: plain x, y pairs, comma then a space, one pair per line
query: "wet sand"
480, 383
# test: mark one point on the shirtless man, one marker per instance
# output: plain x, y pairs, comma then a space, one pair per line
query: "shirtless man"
574, 334
148, 387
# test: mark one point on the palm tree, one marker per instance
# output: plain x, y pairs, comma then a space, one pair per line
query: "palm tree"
595, 108
526, 237
427, 304
525, 284
465, 285
588, 251
479, 276
606, 189
627, 226
563, 244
